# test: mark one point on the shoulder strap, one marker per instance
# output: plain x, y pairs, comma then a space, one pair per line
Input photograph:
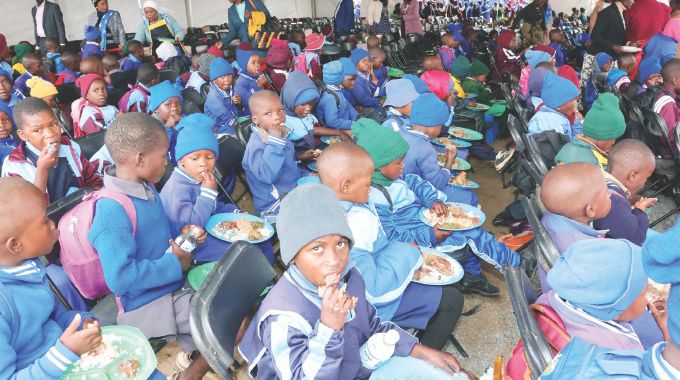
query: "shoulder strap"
551, 325
9, 312
252, 4
384, 192
124, 201
552, 139
335, 96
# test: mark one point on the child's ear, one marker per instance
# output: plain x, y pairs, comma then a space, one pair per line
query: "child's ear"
139, 159
21, 134
345, 184
13, 245
590, 212
255, 119
633, 175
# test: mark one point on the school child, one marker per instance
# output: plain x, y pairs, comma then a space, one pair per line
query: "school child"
42, 89
92, 42
7, 140
386, 267
533, 57
432, 63
20, 50
279, 60
133, 51
603, 64
69, 74
619, 77
631, 163
7, 96
399, 201
372, 42
137, 99
320, 289
33, 65
507, 60
603, 124
222, 104
366, 87
536, 81
201, 76
165, 105
296, 41
557, 42
460, 69
308, 61
476, 82
596, 311
269, 159
249, 80
666, 102
349, 81
560, 101
299, 96
401, 94
333, 110
40, 339
378, 58
449, 50
145, 269
53, 55
95, 114
118, 79
648, 77
443, 87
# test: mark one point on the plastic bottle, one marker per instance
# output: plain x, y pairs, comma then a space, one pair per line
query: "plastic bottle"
378, 349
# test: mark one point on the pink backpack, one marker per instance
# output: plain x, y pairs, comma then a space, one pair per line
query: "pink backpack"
78, 257
300, 63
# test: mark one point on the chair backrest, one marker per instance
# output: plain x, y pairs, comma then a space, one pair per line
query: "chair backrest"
90, 144
224, 300
168, 74
546, 251
516, 131
193, 101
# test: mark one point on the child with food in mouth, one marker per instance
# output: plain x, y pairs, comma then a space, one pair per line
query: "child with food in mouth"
95, 114
313, 321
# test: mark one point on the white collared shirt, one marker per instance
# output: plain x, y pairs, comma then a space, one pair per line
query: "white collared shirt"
39, 11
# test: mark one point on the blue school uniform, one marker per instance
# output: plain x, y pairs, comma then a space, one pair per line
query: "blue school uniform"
58, 64
245, 87
559, 54
334, 115
547, 119
92, 48
13, 100
130, 63
396, 120
381, 75
301, 128
7, 145
350, 98
32, 322
219, 106
365, 92
387, 269
421, 160
271, 170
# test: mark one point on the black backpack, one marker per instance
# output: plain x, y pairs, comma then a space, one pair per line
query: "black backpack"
542, 149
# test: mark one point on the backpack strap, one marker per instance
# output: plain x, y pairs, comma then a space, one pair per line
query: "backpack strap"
8, 311
551, 325
553, 140
396, 120
384, 192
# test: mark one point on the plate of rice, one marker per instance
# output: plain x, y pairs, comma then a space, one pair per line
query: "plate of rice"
461, 181
448, 141
328, 140
458, 163
437, 269
232, 227
465, 134
460, 217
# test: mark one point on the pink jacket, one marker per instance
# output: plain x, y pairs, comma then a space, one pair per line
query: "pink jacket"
411, 15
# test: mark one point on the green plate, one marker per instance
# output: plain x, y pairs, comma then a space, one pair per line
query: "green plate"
197, 275
499, 102
395, 73
130, 344
479, 107
460, 164
465, 134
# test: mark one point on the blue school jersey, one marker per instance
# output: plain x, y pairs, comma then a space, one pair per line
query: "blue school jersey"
219, 106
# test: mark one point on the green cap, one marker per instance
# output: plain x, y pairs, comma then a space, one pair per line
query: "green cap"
383, 144
461, 67
604, 121
478, 68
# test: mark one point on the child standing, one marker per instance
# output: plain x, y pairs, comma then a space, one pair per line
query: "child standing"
269, 159
222, 104
249, 80
333, 110
316, 245
137, 99
560, 99
92, 42
308, 61
95, 114
53, 54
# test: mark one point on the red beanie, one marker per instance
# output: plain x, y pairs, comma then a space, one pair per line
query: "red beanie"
85, 81
439, 83
3, 45
568, 73
505, 38
546, 48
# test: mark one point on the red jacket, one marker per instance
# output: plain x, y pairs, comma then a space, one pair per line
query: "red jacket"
645, 19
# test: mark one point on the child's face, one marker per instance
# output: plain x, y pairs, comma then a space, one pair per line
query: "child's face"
324, 258
394, 169
170, 107
224, 83
151, 165
97, 93
481, 78
606, 67
5, 125
433, 132
378, 61
348, 83
364, 65
38, 232
254, 64
304, 109
50, 100
558, 37
629, 68
569, 108
137, 51
34, 67
269, 114
636, 309
198, 162
654, 80
5, 88
40, 129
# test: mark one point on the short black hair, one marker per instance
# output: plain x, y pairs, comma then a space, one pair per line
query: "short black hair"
132, 133
29, 107
670, 70
30, 56
147, 73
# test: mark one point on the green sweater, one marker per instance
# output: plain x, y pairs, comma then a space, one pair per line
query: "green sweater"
472, 86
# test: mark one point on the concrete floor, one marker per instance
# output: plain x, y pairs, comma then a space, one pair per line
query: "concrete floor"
489, 332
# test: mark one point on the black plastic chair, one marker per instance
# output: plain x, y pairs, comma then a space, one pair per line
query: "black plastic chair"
193, 101
223, 301
90, 144
546, 252
167, 74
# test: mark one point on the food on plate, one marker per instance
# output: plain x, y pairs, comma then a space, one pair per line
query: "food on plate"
460, 179
457, 132
472, 104
455, 219
100, 357
128, 368
657, 293
435, 269
333, 140
442, 160
448, 144
241, 229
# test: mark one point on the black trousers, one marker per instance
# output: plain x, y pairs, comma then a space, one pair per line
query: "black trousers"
444, 319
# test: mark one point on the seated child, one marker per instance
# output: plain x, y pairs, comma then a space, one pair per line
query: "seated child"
432, 63
296, 41
40, 339
201, 76
378, 58
333, 110
428, 115
449, 50
507, 60
69, 74
222, 104
603, 124
137, 98
533, 57
7, 140
133, 56
119, 80
560, 101
165, 105
556, 42
631, 163
279, 60
596, 311
476, 82
441, 84
386, 267
95, 114
399, 202
299, 96
350, 80
536, 81
33, 65
619, 77
249, 80
401, 94
460, 69
602, 65
308, 61
20, 50
53, 55
92, 42
144, 273
7, 95
269, 159
666, 103
366, 88
42, 89
312, 293
649, 76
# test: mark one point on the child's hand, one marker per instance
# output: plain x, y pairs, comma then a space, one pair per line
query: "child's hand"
344, 137
439, 208
439, 359
440, 235
261, 81
48, 160
307, 156
83, 341
335, 305
209, 181
236, 99
184, 257
660, 314
200, 236
451, 154
172, 121
645, 203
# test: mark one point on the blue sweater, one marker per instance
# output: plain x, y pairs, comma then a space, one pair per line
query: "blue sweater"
331, 115
136, 268
364, 91
245, 87
31, 324
219, 106
421, 159
622, 222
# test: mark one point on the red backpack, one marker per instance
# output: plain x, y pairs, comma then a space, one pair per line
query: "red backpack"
552, 327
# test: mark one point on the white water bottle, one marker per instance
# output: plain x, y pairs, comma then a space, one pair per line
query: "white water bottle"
378, 349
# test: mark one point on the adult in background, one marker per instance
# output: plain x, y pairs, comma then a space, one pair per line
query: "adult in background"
534, 28
411, 16
663, 45
109, 23
47, 22
344, 20
609, 33
646, 18
378, 17
157, 27
238, 16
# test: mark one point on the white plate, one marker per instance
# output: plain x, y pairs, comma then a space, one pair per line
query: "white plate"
630, 49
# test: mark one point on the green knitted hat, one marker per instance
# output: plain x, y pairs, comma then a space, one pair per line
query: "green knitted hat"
478, 68
461, 67
383, 144
604, 121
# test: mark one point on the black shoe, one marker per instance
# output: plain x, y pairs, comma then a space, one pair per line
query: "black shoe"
478, 285
503, 219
